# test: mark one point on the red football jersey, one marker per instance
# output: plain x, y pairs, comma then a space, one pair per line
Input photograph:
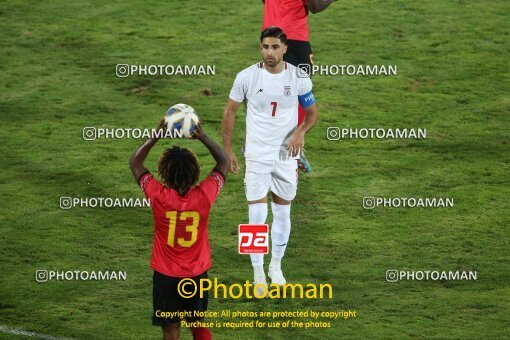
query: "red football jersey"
290, 15
181, 242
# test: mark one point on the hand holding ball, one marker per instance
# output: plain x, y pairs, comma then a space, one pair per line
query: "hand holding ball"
182, 119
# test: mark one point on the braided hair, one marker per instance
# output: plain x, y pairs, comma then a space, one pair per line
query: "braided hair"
179, 169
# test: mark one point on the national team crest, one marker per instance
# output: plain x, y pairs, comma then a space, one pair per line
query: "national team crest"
286, 90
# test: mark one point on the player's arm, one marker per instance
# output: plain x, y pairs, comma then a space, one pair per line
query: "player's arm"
307, 101
136, 161
219, 155
227, 127
316, 6
297, 140
312, 114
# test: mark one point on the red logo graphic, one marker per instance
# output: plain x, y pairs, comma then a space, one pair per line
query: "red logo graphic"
253, 239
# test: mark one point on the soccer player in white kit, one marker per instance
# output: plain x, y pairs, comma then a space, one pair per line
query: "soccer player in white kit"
271, 90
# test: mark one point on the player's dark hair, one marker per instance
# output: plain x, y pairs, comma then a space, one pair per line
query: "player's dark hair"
178, 168
274, 32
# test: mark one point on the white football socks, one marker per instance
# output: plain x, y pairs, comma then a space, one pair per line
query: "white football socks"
257, 214
258, 274
275, 263
280, 231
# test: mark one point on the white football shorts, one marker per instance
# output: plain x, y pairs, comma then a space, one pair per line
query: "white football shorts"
279, 176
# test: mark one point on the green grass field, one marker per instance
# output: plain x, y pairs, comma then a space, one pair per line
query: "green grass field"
58, 76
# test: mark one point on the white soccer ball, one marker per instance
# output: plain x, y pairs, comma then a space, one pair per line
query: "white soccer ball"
182, 119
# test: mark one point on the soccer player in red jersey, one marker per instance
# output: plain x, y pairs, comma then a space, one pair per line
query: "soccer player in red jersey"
180, 208
292, 17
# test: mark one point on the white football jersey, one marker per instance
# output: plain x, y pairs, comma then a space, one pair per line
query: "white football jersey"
271, 108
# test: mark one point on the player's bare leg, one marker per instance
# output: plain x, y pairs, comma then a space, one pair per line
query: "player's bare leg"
257, 213
280, 232
172, 331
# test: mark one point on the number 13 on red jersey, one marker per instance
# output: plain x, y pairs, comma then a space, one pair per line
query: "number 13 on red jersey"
192, 218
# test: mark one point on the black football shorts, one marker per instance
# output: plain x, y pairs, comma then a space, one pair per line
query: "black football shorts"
298, 52
166, 298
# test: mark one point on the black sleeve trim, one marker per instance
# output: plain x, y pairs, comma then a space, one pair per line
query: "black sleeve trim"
139, 178
222, 174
